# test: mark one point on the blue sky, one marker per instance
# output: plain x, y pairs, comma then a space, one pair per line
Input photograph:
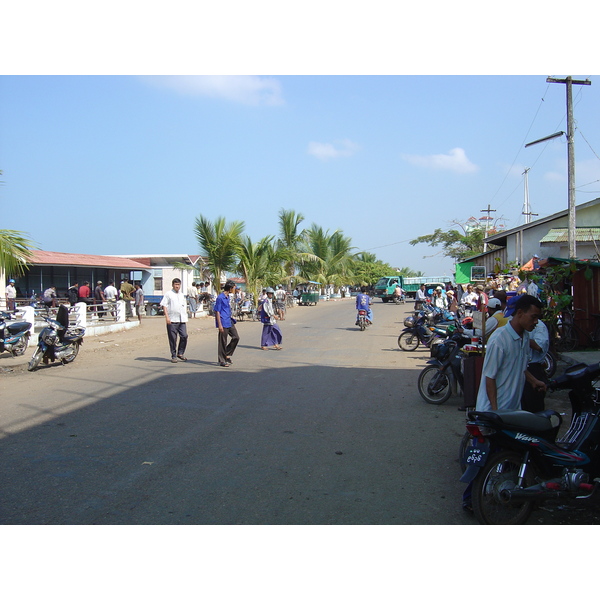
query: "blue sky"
383, 158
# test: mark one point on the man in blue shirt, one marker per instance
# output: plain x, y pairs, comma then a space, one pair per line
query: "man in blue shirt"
363, 301
226, 326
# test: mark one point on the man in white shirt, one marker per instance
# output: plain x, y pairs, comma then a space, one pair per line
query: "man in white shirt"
175, 308
507, 355
420, 297
470, 298
110, 295
11, 295
539, 341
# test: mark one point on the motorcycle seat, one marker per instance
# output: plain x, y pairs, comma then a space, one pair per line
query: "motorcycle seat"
18, 327
546, 420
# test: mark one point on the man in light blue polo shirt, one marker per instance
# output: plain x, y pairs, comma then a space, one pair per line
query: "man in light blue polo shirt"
507, 355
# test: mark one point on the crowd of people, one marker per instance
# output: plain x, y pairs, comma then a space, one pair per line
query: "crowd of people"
101, 300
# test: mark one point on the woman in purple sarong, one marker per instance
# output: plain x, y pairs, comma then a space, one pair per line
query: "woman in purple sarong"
271, 334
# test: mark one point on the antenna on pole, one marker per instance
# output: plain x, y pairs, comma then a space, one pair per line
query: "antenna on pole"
526, 207
487, 210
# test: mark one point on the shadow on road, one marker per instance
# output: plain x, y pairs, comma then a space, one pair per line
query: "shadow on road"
292, 445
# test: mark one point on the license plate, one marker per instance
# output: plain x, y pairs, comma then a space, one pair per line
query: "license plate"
476, 456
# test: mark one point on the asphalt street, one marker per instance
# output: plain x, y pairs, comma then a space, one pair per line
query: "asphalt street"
330, 430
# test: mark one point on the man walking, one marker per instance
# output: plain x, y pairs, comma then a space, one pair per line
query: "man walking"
226, 326
174, 306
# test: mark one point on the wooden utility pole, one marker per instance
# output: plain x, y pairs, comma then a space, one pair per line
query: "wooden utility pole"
569, 81
487, 210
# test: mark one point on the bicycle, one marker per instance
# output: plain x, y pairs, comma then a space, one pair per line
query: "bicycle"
568, 333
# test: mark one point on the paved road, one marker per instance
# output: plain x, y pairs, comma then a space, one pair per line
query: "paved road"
331, 430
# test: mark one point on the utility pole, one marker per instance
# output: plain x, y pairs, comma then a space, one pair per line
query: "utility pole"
569, 81
487, 210
526, 208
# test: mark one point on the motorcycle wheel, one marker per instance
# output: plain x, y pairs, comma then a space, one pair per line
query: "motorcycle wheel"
71, 356
408, 341
362, 324
501, 473
35, 359
465, 444
434, 386
19, 348
549, 364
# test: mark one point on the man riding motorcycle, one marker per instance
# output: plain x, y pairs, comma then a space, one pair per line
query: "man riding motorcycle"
363, 302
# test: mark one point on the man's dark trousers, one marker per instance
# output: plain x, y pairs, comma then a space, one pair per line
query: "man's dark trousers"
226, 349
174, 330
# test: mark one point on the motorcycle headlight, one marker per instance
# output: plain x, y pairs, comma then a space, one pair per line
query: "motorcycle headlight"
409, 322
49, 337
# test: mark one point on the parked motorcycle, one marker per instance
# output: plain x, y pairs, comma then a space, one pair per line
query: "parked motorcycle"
515, 461
443, 376
57, 341
14, 335
423, 328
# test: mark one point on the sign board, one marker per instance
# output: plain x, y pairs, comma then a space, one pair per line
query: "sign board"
478, 273
477, 319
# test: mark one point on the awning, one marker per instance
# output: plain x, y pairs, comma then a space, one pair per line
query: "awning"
582, 235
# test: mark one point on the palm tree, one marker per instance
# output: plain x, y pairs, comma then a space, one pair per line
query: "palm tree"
220, 243
15, 252
335, 257
259, 263
290, 243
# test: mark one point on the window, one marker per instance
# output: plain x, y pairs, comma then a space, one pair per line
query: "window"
158, 284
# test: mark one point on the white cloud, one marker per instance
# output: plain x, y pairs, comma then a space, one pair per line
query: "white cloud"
325, 151
245, 89
456, 160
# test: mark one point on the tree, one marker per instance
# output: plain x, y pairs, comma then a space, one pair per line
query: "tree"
15, 252
220, 242
259, 263
456, 244
408, 272
334, 254
367, 269
290, 243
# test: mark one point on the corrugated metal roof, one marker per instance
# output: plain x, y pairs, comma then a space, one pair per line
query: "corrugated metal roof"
561, 235
43, 257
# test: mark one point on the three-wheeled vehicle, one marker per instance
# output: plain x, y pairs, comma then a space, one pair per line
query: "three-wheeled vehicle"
310, 295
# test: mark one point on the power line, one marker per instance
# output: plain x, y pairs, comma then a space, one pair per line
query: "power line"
521, 145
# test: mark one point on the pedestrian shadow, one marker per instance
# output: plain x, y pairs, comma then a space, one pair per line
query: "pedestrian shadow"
189, 361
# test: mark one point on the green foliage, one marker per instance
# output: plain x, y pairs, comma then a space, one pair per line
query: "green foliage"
15, 251
455, 244
335, 257
297, 255
408, 272
220, 243
368, 272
